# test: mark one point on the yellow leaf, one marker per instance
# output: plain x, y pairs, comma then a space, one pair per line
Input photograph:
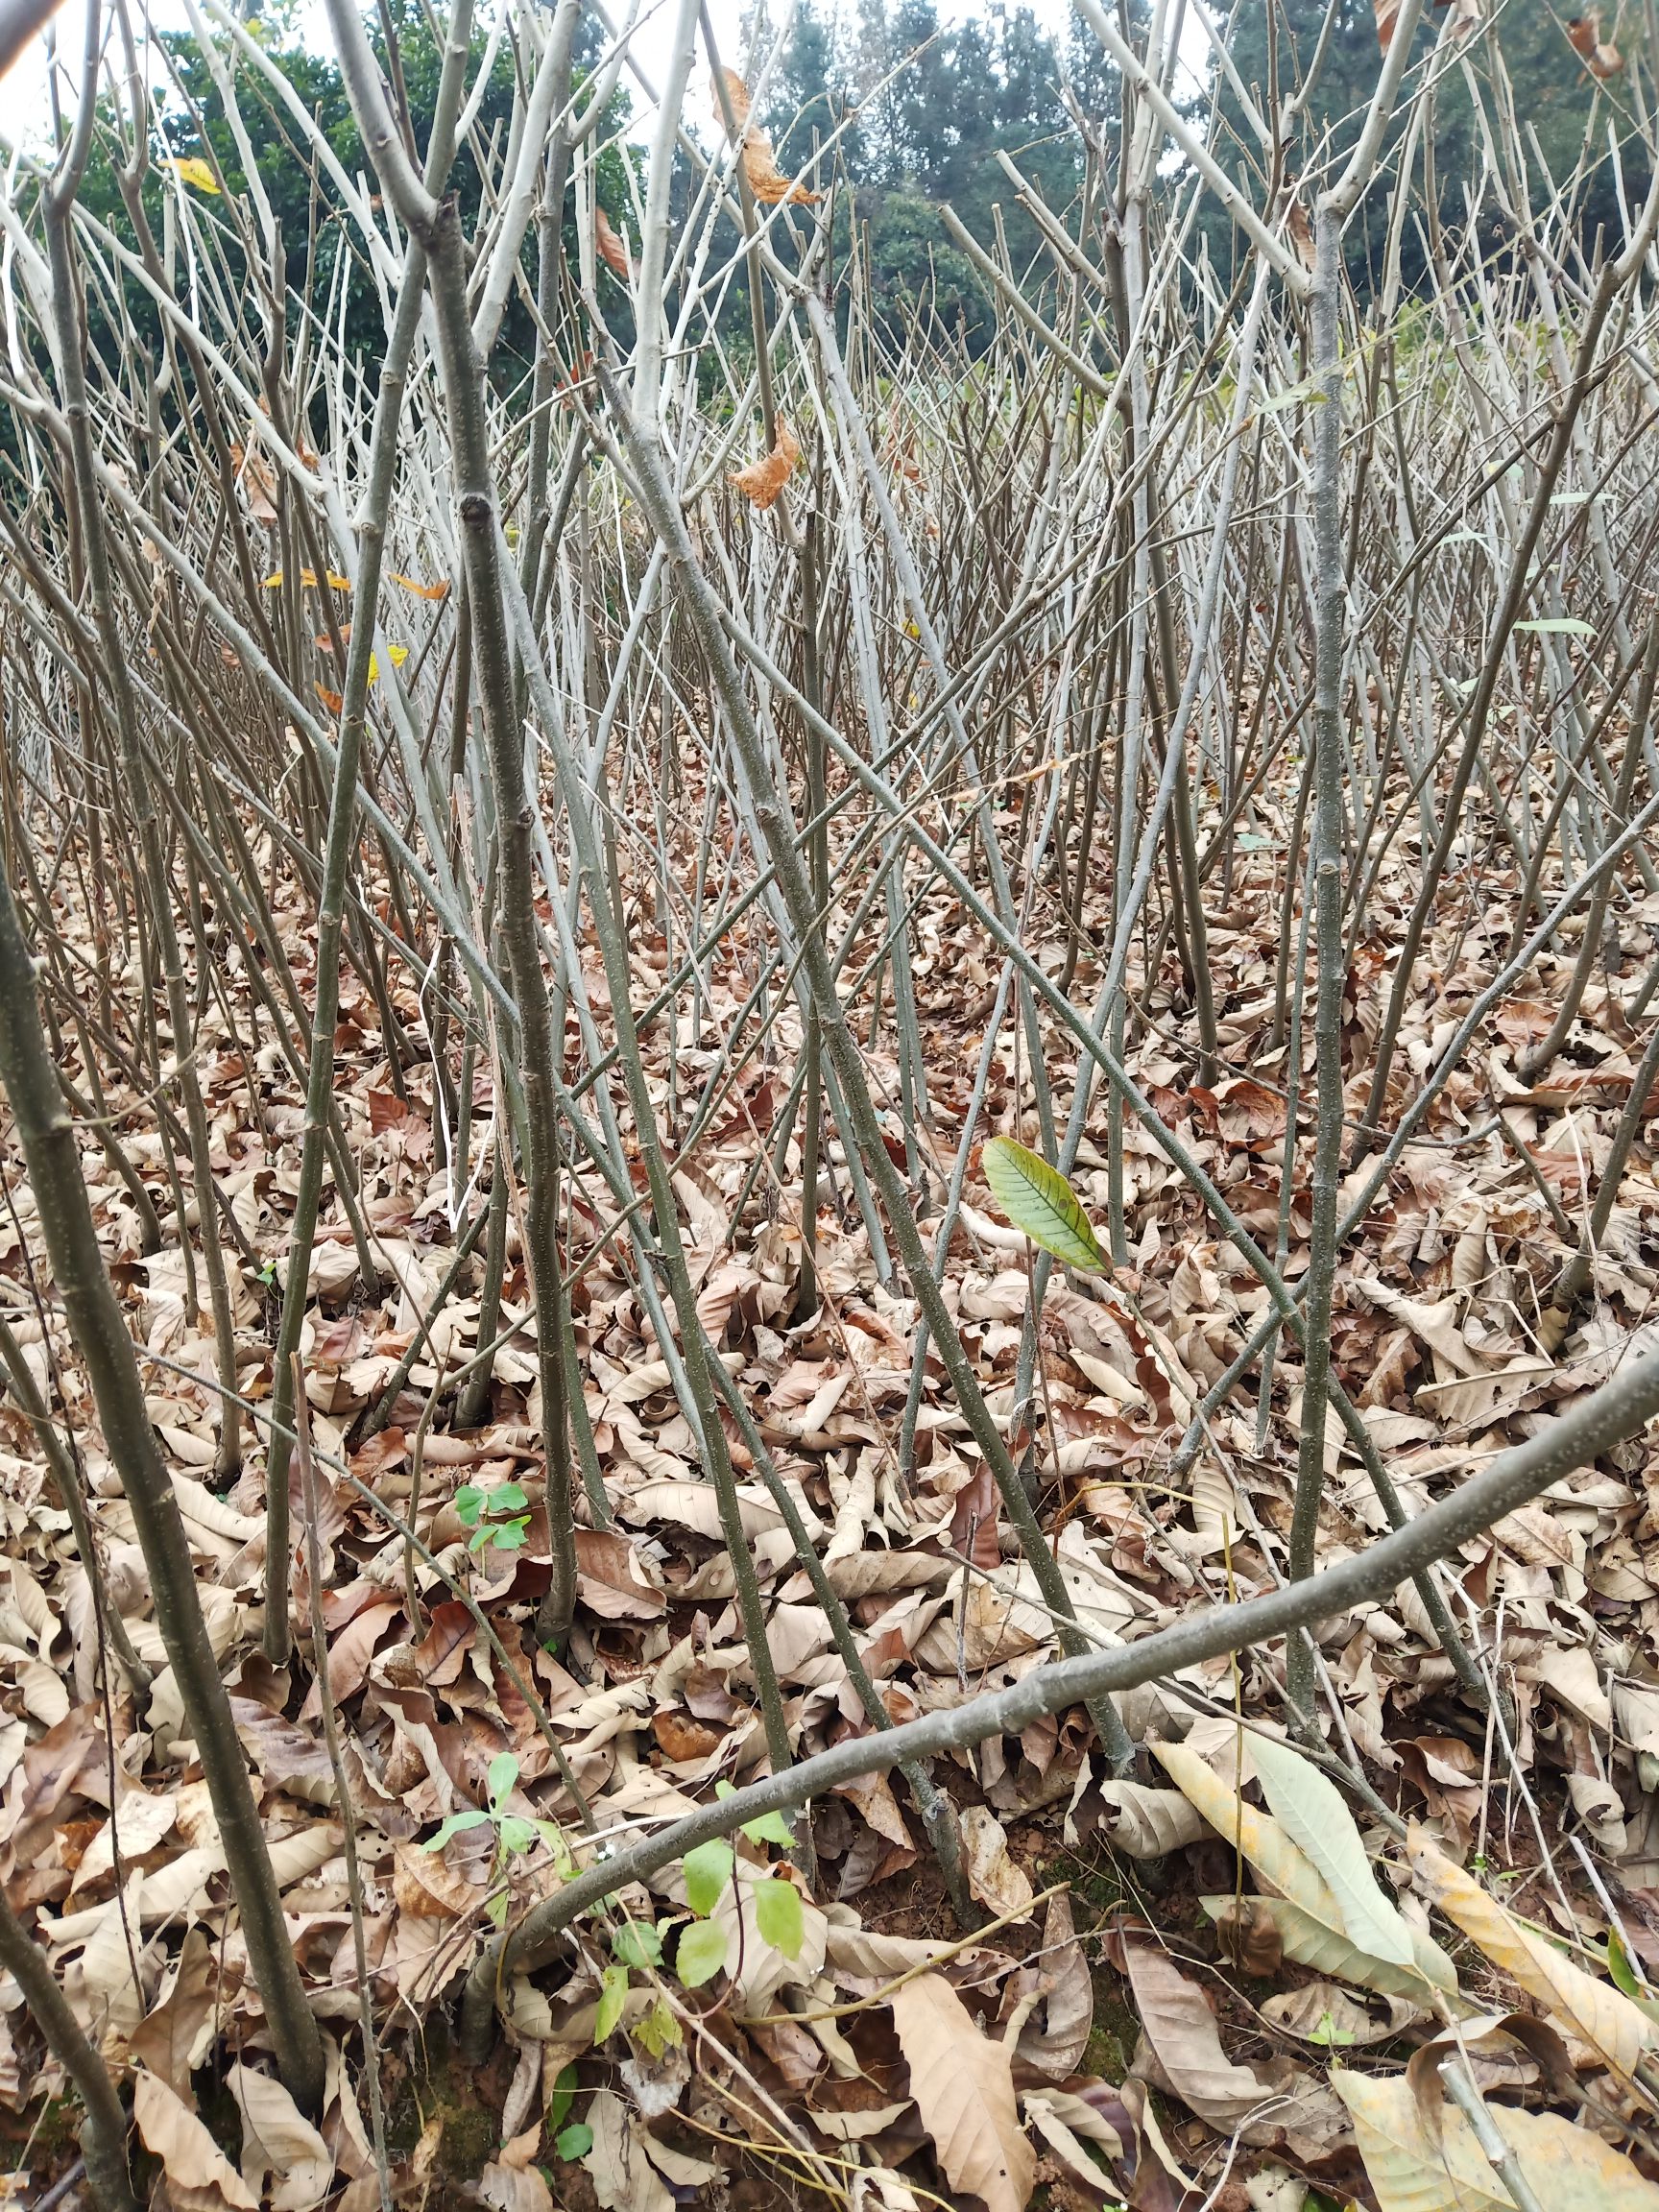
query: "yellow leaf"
399, 653
195, 172
762, 480
308, 578
1570, 2167
1591, 2009
1306, 1911
1038, 1200
438, 591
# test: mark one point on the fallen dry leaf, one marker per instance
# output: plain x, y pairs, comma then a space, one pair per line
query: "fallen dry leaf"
964, 2089
190, 2158
993, 1876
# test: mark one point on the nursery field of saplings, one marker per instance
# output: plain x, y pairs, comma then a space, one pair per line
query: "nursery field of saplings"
829, 1265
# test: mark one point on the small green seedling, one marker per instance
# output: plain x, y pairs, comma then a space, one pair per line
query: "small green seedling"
778, 1919
770, 1828
515, 1834
700, 1953
500, 1516
572, 2138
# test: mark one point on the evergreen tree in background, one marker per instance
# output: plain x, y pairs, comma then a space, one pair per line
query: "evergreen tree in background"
907, 113
922, 109
1519, 52
323, 258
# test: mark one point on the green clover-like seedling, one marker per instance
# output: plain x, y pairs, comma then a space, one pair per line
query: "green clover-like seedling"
613, 1996
707, 1870
778, 1916
658, 2029
701, 1952
473, 1817
498, 1517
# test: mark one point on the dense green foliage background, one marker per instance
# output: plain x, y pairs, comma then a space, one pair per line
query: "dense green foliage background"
906, 112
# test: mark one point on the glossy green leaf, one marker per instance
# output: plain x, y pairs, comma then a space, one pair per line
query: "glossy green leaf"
1624, 1977
613, 1996
1039, 1201
574, 2141
560, 2103
708, 1869
701, 1955
779, 1916
503, 1775
468, 1504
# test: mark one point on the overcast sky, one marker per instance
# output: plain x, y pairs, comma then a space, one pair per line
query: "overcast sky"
25, 112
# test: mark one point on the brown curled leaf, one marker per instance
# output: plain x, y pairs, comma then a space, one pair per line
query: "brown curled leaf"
762, 480
613, 251
1599, 56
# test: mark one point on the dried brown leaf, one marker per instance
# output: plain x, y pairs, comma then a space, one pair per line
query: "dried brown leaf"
737, 97
993, 1876
1598, 56
277, 2140
176, 2035
1180, 2030
1055, 2042
767, 180
189, 2156
610, 247
762, 480
964, 2089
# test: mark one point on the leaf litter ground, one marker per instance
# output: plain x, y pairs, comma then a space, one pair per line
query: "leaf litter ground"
1175, 1961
